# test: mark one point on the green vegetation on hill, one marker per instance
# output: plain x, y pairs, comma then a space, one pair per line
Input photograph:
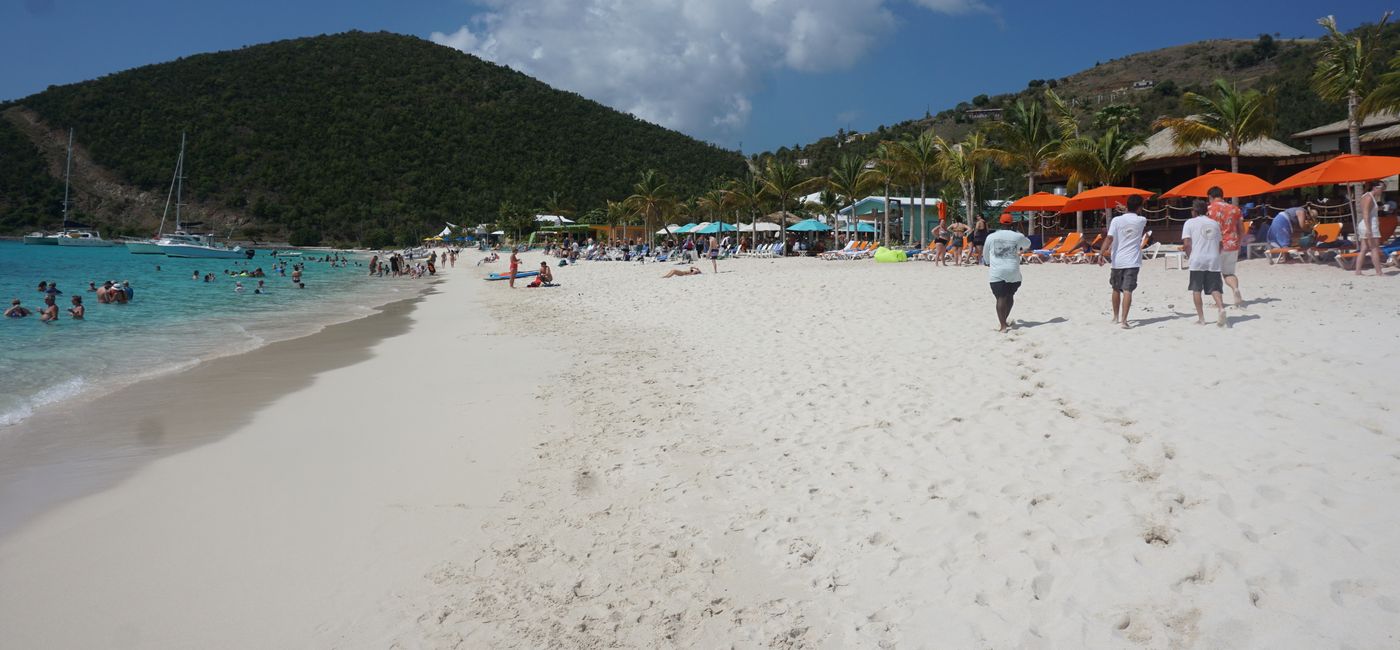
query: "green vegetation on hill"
1266, 62
29, 196
363, 137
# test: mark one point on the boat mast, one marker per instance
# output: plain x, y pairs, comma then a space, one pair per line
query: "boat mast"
67, 172
171, 193
179, 180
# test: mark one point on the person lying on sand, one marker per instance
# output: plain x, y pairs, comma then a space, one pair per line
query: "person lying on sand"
674, 273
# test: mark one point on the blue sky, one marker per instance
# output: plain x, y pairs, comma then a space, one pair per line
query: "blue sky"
786, 72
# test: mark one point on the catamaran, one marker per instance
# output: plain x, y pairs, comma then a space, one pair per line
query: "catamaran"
185, 244
73, 234
151, 245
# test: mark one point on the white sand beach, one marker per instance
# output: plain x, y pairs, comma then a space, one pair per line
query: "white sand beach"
790, 453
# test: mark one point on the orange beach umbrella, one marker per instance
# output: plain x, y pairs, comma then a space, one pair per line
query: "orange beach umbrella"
1038, 202
1101, 198
1346, 168
1233, 184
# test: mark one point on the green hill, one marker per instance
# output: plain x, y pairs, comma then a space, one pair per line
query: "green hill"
1284, 65
357, 137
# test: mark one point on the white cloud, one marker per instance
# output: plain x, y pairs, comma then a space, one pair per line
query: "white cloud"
691, 65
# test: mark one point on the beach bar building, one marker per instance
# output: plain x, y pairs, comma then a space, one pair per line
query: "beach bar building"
906, 215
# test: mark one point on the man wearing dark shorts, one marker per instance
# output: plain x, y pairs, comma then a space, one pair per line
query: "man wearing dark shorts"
1123, 247
1202, 237
1003, 254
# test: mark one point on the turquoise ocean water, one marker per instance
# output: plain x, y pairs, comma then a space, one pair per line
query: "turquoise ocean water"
172, 323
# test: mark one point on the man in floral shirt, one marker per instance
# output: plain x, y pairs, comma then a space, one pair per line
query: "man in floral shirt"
1231, 234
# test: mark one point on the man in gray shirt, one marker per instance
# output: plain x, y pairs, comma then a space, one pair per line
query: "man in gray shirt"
1003, 254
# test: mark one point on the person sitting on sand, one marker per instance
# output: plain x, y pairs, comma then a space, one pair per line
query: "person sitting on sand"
49, 313
675, 273
16, 310
77, 311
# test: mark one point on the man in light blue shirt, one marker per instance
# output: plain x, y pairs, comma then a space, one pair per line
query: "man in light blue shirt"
1002, 253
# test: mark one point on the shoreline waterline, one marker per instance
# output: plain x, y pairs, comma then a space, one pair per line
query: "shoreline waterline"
78, 446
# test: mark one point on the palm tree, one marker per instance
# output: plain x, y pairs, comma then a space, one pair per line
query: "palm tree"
557, 205
618, 213
1386, 96
1347, 70
1026, 138
960, 162
886, 172
783, 181
1099, 161
850, 180
1237, 117
651, 197
746, 194
918, 158
715, 202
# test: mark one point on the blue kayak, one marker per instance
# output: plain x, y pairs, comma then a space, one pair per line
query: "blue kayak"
518, 275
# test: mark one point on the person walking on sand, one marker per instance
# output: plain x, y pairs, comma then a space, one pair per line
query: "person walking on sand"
714, 253
1123, 247
1002, 250
1231, 234
514, 266
1201, 239
1368, 227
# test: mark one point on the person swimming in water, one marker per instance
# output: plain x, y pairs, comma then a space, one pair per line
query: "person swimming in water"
16, 310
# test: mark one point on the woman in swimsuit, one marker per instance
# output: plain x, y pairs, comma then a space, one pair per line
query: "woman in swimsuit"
676, 273
957, 241
940, 243
979, 238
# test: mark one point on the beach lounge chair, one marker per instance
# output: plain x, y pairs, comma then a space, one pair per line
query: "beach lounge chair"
851, 247
1068, 246
1387, 225
1035, 255
861, 250
1325, 233
1091, 254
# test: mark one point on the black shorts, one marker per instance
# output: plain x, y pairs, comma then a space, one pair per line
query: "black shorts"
941, 240
1206, 281
1003, 289
1123, 279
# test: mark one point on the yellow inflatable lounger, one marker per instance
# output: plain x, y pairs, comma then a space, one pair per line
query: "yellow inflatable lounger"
883, 254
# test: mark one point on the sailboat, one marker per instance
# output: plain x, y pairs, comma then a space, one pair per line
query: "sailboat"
73, 234
151, 246
184, 244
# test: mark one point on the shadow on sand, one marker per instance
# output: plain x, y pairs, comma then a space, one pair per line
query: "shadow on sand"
1027, 324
